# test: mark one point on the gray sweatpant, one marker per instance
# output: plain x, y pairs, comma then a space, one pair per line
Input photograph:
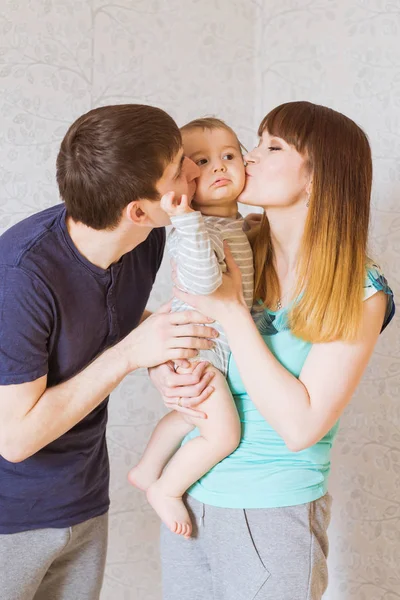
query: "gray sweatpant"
254, 554
54, 564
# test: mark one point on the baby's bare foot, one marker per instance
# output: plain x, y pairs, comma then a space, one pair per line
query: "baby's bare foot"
171, 511
142, 478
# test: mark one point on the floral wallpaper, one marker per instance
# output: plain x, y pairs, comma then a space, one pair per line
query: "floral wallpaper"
235, 59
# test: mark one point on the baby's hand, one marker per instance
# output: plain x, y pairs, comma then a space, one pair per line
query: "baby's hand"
174, 207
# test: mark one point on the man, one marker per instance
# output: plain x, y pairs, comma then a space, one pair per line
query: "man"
74, 283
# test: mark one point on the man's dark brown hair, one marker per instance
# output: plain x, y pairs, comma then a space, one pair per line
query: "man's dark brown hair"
112, 156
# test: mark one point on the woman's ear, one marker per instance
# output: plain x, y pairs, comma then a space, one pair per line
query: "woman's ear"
309, 186
308, 190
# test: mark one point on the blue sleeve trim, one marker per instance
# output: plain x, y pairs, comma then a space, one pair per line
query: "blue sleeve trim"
378, 281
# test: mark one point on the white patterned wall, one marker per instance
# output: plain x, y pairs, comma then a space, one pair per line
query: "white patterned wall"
236, 59
346, 54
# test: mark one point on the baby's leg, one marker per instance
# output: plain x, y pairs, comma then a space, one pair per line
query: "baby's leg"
219, 436
164, 442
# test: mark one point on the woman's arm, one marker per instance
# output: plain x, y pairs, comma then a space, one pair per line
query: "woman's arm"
301, 410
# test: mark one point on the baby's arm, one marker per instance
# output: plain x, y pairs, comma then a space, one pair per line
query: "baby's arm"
192, 248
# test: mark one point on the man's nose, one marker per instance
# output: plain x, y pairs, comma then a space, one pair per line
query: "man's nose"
192, 170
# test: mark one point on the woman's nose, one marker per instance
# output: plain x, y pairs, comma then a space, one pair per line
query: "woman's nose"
249, 158
192, 170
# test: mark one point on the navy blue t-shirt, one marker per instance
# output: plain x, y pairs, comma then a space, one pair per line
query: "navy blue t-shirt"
58, 312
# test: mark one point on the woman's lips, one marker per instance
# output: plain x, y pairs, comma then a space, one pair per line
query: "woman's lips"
221, 182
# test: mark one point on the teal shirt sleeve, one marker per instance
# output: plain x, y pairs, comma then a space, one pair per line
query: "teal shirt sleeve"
377, 282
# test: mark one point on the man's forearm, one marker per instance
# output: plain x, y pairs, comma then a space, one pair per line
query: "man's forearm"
61, 407
32, 416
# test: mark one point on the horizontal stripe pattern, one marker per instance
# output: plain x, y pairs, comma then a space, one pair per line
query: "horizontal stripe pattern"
196, 245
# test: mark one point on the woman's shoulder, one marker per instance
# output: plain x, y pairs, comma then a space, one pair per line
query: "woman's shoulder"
375, 281
270, 322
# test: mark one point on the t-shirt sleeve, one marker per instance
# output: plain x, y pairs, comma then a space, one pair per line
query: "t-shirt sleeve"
26, 318
197, 264
377, 282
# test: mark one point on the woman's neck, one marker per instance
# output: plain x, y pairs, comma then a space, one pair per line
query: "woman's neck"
287, 229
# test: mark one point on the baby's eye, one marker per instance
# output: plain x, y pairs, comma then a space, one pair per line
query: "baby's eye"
201, 161
228, 156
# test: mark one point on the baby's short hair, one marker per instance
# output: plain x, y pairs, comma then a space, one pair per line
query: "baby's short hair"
211, 123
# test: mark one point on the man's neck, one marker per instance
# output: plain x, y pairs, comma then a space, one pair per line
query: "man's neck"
106, 246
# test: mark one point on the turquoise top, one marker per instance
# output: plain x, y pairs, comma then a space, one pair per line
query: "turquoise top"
262, 472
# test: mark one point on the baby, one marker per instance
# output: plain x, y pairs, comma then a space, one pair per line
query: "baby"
196, 246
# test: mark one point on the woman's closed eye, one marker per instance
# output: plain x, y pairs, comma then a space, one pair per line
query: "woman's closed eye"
272, 148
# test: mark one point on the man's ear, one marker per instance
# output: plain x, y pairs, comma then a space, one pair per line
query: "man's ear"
136, 214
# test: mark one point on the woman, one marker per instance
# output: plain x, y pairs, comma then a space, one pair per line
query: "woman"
263, 512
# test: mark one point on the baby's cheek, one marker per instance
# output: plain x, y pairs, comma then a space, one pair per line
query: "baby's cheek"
202, 193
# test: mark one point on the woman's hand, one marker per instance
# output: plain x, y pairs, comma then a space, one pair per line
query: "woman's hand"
252, 220
220, 304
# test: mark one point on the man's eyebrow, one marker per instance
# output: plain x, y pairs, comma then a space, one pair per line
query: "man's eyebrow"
179, 169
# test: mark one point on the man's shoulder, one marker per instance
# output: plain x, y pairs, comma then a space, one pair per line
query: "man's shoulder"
145, 259
158, 235
17, 241
155, 242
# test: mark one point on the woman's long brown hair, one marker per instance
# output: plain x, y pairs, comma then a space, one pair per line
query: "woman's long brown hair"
332, 263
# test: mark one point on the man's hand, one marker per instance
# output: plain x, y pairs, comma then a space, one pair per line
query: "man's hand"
175, 207
183, 392
166, 336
